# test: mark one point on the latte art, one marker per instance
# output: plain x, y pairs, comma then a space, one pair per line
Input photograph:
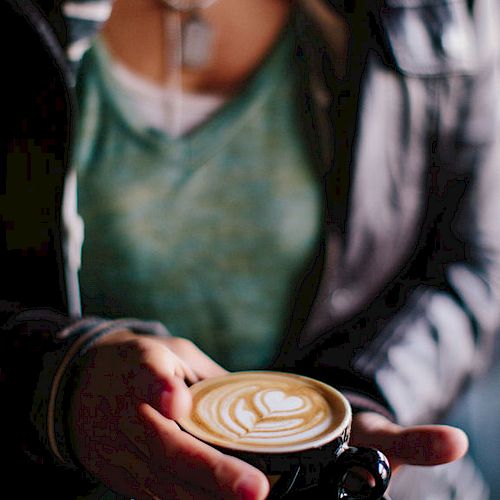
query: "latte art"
265, 411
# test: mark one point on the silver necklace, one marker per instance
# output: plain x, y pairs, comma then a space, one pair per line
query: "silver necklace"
196, 34
189, 42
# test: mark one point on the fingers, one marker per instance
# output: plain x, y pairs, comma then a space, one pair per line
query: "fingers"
141, 453
160, 380
137, 480
198, 464
202, 365
418, 445
164, 369
129, 466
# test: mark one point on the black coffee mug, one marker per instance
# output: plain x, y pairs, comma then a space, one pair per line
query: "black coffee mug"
334, 471
293, 428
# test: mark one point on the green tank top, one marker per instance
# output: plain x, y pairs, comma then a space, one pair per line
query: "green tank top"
206, 232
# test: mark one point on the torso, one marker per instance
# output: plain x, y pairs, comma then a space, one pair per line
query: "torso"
207, 232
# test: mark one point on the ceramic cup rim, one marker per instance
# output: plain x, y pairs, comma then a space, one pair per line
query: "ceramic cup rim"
345, 423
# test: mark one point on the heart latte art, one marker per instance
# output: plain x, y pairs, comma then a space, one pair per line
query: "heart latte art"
267, 411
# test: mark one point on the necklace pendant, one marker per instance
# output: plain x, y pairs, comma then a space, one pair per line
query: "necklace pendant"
197, 42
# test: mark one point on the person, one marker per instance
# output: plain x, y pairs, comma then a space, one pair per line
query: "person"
340, 186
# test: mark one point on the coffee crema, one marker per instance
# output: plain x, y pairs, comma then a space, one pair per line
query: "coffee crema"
269, 412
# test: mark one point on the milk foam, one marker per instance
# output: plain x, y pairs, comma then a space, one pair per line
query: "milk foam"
260, 410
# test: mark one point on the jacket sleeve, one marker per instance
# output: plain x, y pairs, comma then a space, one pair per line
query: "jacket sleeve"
416, 359
39, 351
444, 334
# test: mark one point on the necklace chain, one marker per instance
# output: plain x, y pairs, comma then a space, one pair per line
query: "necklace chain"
189, 43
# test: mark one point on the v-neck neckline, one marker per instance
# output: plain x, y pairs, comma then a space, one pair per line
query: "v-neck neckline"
207, 138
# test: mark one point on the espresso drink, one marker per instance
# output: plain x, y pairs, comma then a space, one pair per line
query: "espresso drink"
266, 412
293, 428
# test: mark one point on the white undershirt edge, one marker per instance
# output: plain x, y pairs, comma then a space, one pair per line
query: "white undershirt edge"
174, 112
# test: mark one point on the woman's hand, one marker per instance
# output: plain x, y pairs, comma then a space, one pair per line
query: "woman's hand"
418, 445
130, 391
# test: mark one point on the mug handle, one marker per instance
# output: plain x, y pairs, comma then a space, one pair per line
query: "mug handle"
284, 484
369, 459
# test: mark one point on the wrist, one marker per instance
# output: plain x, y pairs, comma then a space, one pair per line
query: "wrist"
114, 337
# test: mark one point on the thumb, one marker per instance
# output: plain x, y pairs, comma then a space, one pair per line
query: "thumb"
417, 445
429, 444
